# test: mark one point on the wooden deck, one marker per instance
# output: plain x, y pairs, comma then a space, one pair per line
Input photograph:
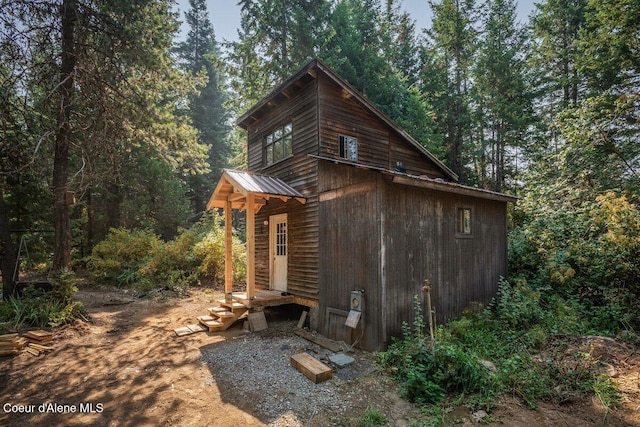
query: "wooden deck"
263, 298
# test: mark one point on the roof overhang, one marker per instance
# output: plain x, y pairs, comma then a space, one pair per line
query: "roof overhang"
450, 187
422, 181
235, 187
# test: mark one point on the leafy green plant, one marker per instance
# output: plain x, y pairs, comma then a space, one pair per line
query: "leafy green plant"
372, 418
606, 391
36, 307
141, 260
116, 259
426, 373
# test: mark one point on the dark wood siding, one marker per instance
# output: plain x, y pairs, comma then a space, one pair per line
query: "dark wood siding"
349, 251
300, 172
301, 111
420, 242
388, 238
413, 162
378, 144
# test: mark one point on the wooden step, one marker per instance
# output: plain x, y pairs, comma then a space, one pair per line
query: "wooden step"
232, 305
224, 315
217, 309
212, 323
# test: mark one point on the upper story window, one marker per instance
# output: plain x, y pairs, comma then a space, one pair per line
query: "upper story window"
278, 144
349, 148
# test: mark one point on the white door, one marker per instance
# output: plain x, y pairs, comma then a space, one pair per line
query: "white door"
278, 249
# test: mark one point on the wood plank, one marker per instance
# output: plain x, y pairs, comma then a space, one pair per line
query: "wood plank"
257, 321
182, 331
39, 347
303, 318
8, 337
251, 244
33, 351
311, 367
228, 257
197, 327
39, 335
320, 340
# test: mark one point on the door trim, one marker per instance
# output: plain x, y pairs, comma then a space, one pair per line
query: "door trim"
273, 244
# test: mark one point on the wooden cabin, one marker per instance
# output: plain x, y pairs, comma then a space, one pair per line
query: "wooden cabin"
347, 213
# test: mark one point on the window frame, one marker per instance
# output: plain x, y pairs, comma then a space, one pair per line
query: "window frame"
462, 231
343, 152
277, 145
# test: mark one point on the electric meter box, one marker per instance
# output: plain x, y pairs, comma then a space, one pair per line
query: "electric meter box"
357, 301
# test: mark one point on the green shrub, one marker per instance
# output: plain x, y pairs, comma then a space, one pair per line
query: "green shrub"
513, 328
141, 260
586, 253
426, 374
116, 259
372, 418
36, 307
606, 391
210, 253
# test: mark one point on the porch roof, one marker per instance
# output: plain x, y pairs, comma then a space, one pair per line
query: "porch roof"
235, 186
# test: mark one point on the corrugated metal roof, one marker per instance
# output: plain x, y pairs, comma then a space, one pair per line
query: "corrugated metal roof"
262, 184
235, 186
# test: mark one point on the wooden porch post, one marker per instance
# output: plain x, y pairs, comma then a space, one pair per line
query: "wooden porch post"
251, 237
228, 255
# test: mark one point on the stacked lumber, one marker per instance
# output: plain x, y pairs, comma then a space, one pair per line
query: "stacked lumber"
37, 349
39, 337
36, 341
11, 344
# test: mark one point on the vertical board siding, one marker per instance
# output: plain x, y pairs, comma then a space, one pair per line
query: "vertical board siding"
349, 253
422, 244
417, 240
378, 144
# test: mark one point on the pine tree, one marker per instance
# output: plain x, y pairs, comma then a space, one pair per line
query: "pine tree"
200, 53
98, 77
453, 42
503, 104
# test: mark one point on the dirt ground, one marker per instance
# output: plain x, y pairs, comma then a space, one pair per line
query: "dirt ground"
127, 367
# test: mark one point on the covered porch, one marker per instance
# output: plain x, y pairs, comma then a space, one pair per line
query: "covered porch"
249, 192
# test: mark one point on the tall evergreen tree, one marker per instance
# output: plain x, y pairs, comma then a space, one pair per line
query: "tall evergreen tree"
200, 53
452, 47
503, 103
276, 37
376, 53
556, 25
98, 77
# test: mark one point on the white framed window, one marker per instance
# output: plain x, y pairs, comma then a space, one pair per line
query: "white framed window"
464, 221
278, 145
349, 147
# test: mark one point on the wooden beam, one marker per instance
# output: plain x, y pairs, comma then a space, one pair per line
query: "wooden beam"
235, 196
251, 243
311, 367
228, 255
364, 187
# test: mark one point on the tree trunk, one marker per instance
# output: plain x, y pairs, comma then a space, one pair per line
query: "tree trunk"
62, 249
7, 251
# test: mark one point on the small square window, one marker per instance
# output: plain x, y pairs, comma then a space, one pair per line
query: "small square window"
349, 148
463, 223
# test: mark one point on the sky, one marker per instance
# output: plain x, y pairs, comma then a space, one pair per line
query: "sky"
225, 15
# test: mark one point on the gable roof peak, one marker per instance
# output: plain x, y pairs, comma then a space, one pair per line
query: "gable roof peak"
309, 72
